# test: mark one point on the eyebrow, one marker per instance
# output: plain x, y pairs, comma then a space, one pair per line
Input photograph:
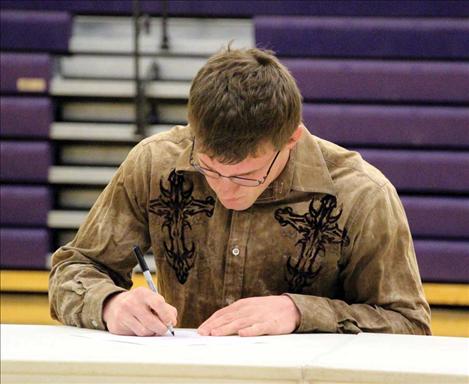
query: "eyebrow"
241, 174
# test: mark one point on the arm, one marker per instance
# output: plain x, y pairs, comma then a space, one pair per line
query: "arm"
98, 262
380, 277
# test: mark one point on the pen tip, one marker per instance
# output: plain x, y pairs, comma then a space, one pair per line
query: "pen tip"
172, 332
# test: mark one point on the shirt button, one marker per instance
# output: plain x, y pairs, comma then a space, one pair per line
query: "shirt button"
95, 323
235, 251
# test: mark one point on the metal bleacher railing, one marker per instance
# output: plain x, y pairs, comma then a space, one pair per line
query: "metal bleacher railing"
371, 78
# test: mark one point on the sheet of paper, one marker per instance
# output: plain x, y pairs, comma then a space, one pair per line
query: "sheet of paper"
186, 337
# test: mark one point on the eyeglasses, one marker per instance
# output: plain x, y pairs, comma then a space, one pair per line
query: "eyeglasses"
244, 181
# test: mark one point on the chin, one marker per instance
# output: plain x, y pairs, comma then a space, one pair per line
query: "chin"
236, 205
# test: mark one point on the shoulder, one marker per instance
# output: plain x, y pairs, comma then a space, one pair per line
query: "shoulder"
163, 146
175, 135
346, 166
361, 187
173, 140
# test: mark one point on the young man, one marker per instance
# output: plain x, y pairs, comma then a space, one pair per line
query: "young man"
257, 226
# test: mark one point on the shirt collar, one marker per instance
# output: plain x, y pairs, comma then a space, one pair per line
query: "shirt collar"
183, 163
305, 171
311, 173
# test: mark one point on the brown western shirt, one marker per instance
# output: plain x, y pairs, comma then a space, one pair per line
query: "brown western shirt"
330, 232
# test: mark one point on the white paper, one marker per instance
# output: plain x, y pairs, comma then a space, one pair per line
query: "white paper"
183, 337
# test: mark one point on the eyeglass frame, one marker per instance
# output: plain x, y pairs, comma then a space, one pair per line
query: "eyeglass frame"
233, 179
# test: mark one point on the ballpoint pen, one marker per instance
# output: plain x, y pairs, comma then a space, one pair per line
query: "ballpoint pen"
146, 273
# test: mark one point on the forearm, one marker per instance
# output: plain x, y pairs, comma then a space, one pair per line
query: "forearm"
320, 314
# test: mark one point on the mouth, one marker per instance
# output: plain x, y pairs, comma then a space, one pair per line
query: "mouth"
231, 199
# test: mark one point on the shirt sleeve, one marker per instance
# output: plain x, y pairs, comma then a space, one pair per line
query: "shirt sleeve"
379, 275
99, 261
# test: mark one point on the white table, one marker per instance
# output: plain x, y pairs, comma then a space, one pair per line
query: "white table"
59, 354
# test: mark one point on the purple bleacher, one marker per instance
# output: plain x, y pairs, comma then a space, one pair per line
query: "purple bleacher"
35, 30
296, 36
25, 117
422, 171
24, 205
25, 73
24, 248
25, 161
369, 80
245, 8
389, 125
438, 217
443, 261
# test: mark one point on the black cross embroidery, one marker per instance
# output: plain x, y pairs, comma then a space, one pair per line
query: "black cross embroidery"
176, 205
318, 227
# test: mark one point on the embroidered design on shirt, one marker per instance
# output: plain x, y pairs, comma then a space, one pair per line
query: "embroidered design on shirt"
176, 205
318, 227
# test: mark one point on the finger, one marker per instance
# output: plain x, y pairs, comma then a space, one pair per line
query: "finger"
206, 323
174, 314
137, 328
120, 328
166, 313
256, 329
232, 327
149, 319
236, 307
212, 323
212, 318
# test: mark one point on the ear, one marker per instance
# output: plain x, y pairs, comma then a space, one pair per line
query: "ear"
295, 137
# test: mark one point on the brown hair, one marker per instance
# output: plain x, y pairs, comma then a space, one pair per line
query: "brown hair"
240, 99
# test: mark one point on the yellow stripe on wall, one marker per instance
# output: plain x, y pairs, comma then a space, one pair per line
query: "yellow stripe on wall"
25, 309
449, 322
447, 294
37, 281
24, 281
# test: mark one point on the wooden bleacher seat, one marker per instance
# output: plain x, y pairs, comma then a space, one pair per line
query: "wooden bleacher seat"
242, 8
443, 261
352, 37
102, 132
432, 127
24, 205
16, 121
81, 175
61, 87
35, 30
121, 67
18, 158
25, 73
24, 248
451, 214
376, 81
119, 111
419, 171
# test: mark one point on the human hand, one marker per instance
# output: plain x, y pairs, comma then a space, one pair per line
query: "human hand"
139, 312
254, 316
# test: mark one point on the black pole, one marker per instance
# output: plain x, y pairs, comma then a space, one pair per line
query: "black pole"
139, 101
164, 26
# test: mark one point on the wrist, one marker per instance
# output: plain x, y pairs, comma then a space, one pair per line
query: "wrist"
295, 311
107, 306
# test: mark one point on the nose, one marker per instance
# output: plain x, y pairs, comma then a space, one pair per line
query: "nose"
224, 187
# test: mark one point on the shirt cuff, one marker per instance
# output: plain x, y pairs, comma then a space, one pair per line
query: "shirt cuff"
92, 314
316, 314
